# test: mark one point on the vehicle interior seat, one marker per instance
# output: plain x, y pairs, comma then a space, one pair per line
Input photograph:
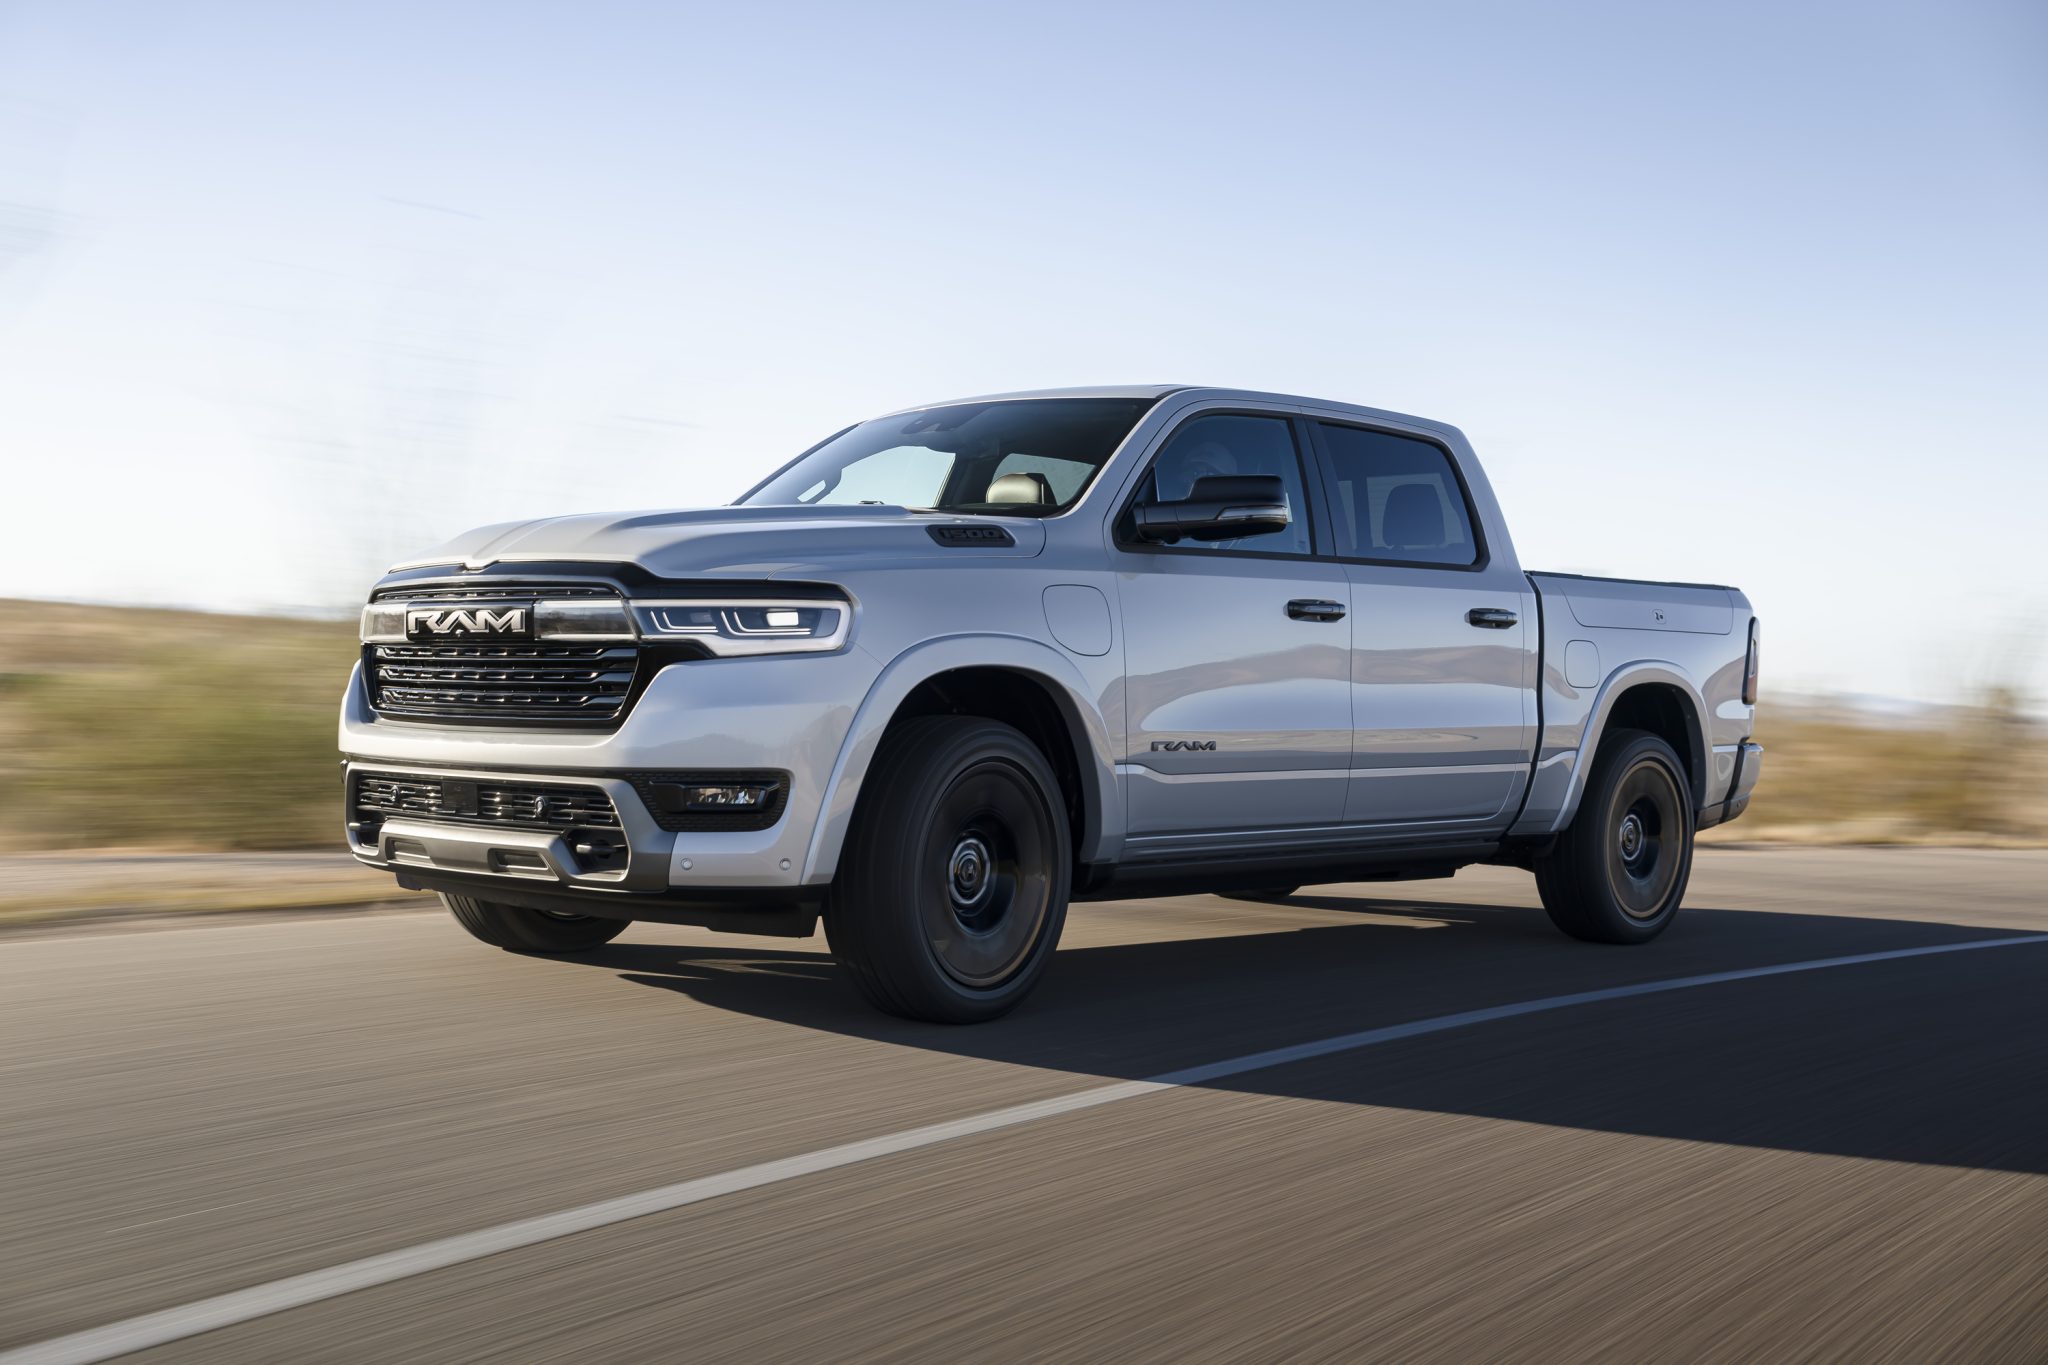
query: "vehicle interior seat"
1026, 487
1413, 518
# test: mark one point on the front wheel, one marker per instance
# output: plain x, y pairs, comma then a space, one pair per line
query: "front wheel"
1618, 873
954, 887
517, 929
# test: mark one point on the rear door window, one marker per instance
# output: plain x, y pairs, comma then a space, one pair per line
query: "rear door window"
1396, 498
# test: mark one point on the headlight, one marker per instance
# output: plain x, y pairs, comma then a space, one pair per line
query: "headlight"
731, 627
384, 623
798, 626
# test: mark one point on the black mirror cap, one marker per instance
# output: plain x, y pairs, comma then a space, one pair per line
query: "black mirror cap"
1218, 507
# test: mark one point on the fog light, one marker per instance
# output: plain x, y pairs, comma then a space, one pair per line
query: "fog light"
746, 796
711, 797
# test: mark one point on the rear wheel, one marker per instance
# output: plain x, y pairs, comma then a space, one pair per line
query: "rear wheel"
517, 929
1618, 873
954, 887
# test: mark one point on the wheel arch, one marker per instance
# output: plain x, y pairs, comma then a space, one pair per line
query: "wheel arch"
1651, 695
1007, 678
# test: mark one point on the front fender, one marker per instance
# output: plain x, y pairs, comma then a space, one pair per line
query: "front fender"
1104, 832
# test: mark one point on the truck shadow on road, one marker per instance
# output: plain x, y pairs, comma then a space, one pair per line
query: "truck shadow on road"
1938, 1060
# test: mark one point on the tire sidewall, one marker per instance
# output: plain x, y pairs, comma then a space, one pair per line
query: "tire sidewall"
889, 851
517, 929
1595, 834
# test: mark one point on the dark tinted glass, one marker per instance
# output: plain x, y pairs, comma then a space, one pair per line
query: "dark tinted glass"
1023, 457
1397, 498
1231, 444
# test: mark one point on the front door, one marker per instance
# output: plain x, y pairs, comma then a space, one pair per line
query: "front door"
1237, 656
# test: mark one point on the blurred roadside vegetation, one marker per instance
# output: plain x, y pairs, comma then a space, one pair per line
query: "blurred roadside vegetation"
122, 727
1972, 774
130, 728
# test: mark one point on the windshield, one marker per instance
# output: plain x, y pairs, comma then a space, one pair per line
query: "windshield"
1027, 457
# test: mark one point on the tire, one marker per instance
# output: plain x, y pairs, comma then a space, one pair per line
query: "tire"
517, 929
1618, 873
953, 890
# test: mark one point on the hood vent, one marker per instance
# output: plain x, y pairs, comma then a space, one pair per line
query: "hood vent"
964, 536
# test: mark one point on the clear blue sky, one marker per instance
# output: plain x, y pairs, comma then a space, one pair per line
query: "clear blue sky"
1750, 293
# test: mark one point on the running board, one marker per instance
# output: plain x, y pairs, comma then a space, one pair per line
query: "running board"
1183, 874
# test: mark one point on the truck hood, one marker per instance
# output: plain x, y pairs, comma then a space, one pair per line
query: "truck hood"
730, 542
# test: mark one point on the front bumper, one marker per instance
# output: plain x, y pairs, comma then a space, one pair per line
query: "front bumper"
789, 715
563, 858
620, 872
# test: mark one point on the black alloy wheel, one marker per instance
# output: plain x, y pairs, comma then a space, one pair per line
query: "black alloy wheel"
1618, 874
953, 888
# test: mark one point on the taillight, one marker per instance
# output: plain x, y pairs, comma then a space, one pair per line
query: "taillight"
1749, 668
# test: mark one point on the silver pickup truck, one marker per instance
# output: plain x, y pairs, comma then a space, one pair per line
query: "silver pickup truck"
956, 666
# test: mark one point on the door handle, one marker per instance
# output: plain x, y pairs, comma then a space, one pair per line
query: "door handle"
1493, 618
1315, 609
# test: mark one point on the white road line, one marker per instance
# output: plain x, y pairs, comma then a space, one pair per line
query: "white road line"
224, 1310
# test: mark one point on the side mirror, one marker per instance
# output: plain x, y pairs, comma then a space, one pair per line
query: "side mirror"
1218, 507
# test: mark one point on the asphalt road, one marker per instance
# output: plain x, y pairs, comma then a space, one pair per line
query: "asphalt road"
1846, 1162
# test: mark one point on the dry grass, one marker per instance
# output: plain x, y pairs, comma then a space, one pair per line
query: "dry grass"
166, 729
183, 730
1963, 775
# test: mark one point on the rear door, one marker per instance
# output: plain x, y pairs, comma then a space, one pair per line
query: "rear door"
1237, 653
1443, 643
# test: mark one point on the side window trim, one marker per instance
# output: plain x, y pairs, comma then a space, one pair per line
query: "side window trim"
1326, 472
1315, 486
1321, 541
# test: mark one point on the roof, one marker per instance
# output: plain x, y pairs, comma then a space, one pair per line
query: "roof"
1082, 391
1151, 391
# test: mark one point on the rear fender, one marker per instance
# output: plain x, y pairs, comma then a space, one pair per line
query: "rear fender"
1574, 771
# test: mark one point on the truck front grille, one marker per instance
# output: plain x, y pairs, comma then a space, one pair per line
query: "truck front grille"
542, 684
513, 802
511, 684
